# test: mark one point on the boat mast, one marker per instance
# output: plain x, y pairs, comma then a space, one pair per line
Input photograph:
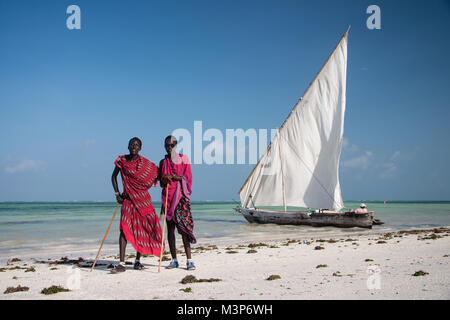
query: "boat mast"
282, 174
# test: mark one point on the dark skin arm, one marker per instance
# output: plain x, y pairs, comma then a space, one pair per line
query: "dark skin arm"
115, 186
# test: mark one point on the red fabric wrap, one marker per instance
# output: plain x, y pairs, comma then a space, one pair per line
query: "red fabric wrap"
138, 176
138, 220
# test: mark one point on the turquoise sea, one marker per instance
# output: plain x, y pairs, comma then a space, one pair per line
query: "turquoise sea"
60, 227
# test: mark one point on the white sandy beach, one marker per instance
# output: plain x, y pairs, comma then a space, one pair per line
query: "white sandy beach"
379, 266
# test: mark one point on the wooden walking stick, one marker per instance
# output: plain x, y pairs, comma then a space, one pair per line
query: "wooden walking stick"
93, 265
164, 227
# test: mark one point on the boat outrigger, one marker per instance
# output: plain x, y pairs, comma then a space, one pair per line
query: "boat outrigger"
300, 167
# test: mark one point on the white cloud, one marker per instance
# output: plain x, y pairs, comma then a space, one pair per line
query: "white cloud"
362, 161
347, 146
395, 155
390, 167
87, 143
82, 151
25, 165
389, 170
385, 169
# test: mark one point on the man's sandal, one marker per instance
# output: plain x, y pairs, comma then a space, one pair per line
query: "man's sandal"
118, 268
138, 266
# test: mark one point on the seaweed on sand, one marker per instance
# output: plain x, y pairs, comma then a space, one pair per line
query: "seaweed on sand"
12, 268
329, 240
252, 251
16, 289
193, 279
321, 266
420, 273
13, 260
53, 290
431, 236
318, 248
441, 230
187, 290
273, 277
435, 230
65, 260
387, 236
254, 245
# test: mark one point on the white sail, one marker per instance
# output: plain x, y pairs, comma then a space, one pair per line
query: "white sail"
301, 165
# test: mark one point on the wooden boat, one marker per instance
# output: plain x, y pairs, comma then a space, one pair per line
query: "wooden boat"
300, 167
317, 219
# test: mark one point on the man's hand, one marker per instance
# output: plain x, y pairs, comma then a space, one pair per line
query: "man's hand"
176, 178
119, 198
166, 179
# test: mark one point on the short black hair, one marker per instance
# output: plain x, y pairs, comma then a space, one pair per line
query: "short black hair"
170, 138
135, 139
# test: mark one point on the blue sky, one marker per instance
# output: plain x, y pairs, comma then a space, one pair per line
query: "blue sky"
71, 99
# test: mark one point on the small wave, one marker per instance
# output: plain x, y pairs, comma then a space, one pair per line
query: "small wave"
24, 222
220, 220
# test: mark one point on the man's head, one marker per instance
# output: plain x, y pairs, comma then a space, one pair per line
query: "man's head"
134, 145
362, 205
170, 144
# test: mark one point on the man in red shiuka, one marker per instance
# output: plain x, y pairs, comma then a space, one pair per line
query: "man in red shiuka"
139, 223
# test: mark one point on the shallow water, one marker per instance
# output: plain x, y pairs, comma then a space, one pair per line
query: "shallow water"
35, 227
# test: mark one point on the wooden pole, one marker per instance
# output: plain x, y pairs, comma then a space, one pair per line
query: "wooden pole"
93, 265
164, 228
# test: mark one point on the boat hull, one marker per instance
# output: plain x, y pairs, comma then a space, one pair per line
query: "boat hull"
328, 218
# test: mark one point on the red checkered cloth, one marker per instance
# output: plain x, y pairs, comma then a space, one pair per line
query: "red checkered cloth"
138, 220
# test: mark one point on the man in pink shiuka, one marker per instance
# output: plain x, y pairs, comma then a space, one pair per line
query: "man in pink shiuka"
176, 179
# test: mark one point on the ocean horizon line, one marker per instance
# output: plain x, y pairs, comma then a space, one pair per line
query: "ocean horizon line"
217, 201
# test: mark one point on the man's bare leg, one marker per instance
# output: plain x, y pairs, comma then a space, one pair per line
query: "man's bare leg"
187, 246
122, 246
